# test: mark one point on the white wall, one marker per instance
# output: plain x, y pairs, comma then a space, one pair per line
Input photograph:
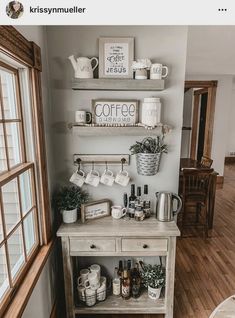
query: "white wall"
164, 44
231, 127
42, 298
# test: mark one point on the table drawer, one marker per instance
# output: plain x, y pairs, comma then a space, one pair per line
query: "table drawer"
92, 245
144, 244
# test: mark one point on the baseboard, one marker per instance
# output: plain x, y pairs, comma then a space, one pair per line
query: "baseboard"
220, 182
229, 160
53, 311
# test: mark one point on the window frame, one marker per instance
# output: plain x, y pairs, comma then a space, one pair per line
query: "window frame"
15, 46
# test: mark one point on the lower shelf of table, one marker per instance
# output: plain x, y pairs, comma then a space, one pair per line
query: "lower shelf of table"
115, 304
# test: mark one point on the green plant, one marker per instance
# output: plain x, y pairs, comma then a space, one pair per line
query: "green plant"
69, 198
149, 145
153, 276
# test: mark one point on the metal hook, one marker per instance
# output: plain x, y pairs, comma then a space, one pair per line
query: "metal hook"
93, 165
106, 165
123, 160
78, 162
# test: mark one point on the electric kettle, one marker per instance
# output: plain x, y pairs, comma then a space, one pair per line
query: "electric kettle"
164, 208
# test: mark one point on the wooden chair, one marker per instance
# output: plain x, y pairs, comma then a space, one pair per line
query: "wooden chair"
206, 162
195, 196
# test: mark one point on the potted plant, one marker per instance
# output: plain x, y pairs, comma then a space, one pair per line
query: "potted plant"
153, 277
68, 200
140, 68
148, 154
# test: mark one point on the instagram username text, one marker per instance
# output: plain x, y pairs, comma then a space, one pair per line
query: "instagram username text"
39, 9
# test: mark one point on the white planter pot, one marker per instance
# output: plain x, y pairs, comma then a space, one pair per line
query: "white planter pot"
69, 216
154, 293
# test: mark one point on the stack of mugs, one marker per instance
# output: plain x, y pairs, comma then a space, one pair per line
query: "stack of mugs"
91, 285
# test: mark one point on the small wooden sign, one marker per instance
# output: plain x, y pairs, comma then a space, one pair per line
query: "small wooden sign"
95, 210
115, 111
115, 57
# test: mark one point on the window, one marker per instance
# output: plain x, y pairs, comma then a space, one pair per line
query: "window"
19, 228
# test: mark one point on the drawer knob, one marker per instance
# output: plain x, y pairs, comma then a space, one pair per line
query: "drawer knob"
92, 246
145, 246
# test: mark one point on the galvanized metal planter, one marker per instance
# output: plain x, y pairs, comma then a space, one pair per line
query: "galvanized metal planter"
148, 163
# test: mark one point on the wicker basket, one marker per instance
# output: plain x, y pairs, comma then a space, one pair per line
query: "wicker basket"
148, 163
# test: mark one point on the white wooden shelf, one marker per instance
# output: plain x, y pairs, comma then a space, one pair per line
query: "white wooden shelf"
87, 131
115, 304
118, 84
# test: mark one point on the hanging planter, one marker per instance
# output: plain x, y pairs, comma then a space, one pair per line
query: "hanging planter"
148, 155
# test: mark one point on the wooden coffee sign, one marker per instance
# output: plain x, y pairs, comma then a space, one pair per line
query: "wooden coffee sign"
123, 112
115, 57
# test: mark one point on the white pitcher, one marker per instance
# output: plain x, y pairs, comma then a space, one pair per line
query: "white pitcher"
83, 67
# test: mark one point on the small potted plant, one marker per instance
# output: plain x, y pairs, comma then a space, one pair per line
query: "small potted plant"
153, 277
68, 200
148, 154
140, 68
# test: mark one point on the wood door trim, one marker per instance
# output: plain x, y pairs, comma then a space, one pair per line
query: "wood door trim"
200, 84
193, 147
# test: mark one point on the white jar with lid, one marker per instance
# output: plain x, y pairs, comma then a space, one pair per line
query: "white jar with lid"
151, 111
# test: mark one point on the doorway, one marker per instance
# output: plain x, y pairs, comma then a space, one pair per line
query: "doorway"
198, 119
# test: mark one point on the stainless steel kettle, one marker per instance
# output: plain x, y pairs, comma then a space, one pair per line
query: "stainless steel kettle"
164, 208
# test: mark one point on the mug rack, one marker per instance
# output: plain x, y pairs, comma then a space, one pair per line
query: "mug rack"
101, 159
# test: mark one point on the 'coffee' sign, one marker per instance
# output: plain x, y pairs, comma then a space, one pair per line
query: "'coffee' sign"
124, 112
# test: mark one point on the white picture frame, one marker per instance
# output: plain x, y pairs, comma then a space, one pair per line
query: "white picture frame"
115, 112
116, 55
95, 210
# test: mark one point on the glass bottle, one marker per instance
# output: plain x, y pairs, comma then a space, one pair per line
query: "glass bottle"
132, 200
147, 208
136, 281
116, 283
126, 286
120, 269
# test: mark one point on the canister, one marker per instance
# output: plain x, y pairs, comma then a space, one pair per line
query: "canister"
151, 111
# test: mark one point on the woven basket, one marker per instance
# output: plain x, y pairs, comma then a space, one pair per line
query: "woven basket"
148, 163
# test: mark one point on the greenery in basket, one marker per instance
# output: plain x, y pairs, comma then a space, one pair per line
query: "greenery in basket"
69, 198
149, 145
153, 276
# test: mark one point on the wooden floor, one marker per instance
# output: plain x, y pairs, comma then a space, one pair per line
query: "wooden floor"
205, 270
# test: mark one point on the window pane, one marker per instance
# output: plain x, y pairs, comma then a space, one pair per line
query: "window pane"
29, 232
13, 143
4, 282
11, 207
16, 251
26, 191
9, 94
3, 159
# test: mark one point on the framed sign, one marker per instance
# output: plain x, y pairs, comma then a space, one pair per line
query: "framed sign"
115, 111
95, 210
115, 57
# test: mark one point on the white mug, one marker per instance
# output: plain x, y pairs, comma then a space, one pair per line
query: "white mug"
107, 178
81, 293
78, 178
83, 117
118, 212
93, 178
101, 291
93, 281
90, 297
95, 268
83, 276
156, 71
122, 178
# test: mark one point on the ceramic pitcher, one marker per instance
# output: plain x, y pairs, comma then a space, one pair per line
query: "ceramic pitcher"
83, 66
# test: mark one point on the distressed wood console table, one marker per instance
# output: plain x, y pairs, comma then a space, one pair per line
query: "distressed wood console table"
108, 237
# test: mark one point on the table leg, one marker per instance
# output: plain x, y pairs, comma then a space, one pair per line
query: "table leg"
68, 277
170, 277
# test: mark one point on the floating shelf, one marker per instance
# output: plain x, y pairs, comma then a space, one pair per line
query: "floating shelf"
115, 304
118, 84
97, 131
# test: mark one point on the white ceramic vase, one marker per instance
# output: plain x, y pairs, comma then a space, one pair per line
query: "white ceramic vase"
69, 216
154, 293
